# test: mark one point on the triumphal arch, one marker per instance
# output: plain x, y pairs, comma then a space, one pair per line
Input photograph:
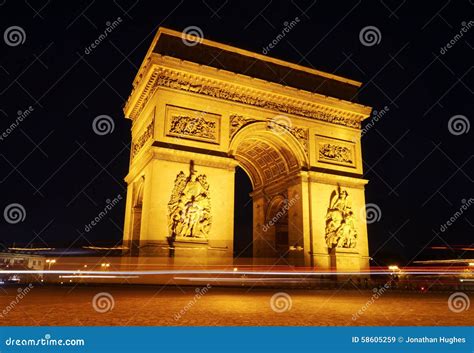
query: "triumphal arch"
199, 109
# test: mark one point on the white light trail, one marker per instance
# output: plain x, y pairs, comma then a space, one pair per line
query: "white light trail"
220, 272
97, 276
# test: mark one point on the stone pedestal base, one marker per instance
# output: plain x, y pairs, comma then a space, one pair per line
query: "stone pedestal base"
195, 252
184, 248
345, 260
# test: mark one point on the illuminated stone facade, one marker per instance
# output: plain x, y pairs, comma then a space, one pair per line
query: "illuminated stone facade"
194, 122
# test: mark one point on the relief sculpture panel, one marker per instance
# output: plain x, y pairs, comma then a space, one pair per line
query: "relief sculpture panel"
335, 151
340, 229
192, 124
189, 208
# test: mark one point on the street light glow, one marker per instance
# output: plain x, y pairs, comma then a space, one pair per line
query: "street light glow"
50, 262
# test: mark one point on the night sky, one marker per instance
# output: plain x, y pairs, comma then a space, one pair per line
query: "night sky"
63, 173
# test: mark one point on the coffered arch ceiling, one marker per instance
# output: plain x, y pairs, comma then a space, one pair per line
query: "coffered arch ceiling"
265, 156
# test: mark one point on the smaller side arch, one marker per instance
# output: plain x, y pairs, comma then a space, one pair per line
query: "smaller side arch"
138, 196
274, 209
136, 216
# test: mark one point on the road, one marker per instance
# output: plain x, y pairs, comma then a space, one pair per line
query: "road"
152, 305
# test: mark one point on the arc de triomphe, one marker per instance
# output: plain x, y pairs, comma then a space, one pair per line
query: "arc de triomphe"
199, 109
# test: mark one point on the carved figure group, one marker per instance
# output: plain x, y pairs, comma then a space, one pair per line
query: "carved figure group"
340, 223
189, 207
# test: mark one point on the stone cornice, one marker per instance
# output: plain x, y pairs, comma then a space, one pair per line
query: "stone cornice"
333, 179
185, 76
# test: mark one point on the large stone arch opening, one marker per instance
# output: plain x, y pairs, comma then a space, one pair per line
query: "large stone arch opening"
273, 159
243, 217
